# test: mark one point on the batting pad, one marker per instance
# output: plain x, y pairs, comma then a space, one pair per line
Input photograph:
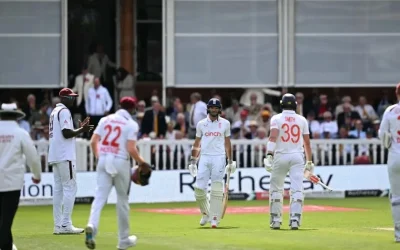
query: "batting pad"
216, 199
296, 206
395, 202
276, 206
202, 200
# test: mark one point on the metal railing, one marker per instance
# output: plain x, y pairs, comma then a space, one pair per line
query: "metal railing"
174, 154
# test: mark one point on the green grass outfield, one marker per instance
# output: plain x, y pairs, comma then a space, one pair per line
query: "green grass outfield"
33, 228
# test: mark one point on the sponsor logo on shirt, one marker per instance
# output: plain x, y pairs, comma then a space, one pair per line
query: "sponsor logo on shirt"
213, 134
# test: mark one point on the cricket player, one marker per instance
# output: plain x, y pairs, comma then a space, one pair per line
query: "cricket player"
214, 143
285, 153
62, 157
113, 143
15, 143
389, 133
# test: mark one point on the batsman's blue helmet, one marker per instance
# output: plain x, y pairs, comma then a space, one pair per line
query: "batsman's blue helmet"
214, 102
288, 102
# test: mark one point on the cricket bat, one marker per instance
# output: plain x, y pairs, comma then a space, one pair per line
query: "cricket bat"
226, 195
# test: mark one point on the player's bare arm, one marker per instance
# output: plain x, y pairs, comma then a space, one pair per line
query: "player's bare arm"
133, 152
83, 127
93, 144
307, 147
228, 149
194, 157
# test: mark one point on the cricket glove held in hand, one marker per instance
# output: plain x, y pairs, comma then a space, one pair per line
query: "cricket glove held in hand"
268, 163
230, 167
309, 172
142, 175
193, 167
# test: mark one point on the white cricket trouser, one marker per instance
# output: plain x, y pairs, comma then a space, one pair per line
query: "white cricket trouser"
393, 165
64, 192
282, 164
210, 167
122, 183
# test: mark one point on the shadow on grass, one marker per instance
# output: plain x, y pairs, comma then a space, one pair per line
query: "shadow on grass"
218, 228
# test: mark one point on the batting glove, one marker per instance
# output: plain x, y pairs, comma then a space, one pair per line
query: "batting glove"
231, 167
310, 166
268, 163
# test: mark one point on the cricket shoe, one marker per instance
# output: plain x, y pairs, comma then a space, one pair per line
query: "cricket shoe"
214, 222
130, 242
294, 224
68, 230
275, 225
204, 220
89, 238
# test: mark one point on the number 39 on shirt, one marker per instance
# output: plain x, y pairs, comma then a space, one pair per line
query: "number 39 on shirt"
292, 133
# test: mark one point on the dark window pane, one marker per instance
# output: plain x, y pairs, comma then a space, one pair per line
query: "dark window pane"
149, 47
149, 10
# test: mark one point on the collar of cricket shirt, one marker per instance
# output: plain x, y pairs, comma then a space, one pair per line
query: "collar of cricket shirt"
209, 120
289, 111
124, 113
60, 105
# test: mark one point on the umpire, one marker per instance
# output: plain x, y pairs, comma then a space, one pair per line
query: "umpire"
14, 144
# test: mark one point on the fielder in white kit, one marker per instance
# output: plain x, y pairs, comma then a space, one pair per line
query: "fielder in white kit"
389, 133
214, 143
62, 156
289, 132
113, 142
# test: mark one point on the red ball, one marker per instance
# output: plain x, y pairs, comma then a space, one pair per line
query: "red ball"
135, 175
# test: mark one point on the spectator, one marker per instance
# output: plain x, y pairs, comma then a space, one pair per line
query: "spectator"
125, 83
322, 107
301, 109
346, 100
99, 102
253, 126
154, 121
83, 83
243, 123
141, 107
175, 109
233, 112
40, 115
314, 125
98, 62
198, 112
170, 134
347, 112
366, 111
181, 124
254, 108
264, 120
30, 109
329, 128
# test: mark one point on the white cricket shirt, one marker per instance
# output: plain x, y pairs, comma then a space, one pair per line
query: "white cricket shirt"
115, 131
15, 143
291, 128
391, 123
98, 102
60, 148
212, 134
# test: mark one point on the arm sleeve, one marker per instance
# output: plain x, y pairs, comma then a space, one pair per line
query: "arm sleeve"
228, 130
198, 130
306, 128
274, 123
65, 119
384, 127
32, 157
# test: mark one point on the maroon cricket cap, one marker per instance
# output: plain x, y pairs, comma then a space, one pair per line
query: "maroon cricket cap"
128, 102
67, 92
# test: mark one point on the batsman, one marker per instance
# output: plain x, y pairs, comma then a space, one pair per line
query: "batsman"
389, 133
213, 147
285, 153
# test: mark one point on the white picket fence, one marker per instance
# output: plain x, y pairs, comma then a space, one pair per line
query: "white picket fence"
163, 154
